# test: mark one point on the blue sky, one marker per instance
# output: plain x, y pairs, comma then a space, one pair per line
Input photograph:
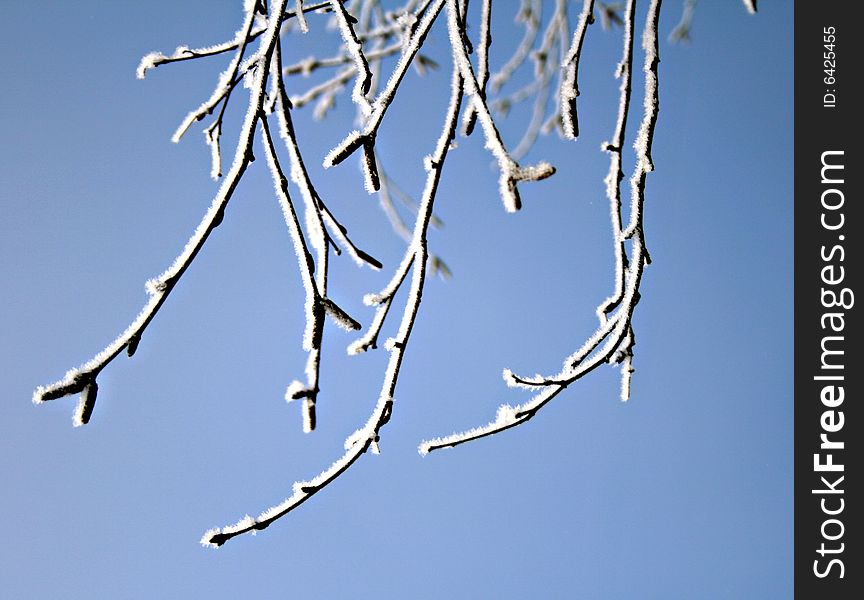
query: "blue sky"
683, 492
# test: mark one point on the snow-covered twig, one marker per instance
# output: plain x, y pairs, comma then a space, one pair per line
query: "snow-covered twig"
366, 42
366, 138
615, 148
82, 379
228, 80
183, 53
510, 171
681, 32
318, 218
469, 117
367, 437
544, 70
614, 340
308, 65
569, 90
355, 48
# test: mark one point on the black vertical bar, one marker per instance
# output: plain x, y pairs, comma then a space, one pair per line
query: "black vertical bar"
829, 234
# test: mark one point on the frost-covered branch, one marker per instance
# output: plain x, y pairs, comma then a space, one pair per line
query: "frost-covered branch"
83, 379
366, 138
613, 341
355, 48
222, 93
368, 436
322, 227
615, 148
369, 34
330, 86
469, 118
510, 171
544, 70
569, 90
309, 65
183, 53
681, 32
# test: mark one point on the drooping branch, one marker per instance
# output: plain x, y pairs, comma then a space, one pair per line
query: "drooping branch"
614, 340
570, 82
510, 171
469, 118
615, 148
366, 138
318, 217
544, 70
368, 436
82, 379
355, 48
366, 42
308, 392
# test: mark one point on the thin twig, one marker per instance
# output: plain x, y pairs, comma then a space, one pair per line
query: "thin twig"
357, 139
469, 118
82, 379
616, 174
355, 48
510, 171
619, 344
570, 81
183, 53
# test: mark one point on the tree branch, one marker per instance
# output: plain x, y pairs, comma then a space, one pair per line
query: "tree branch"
617, 331
368, 436
570, 81
159, 288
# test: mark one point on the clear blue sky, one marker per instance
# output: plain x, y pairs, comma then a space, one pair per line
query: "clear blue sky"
684, 492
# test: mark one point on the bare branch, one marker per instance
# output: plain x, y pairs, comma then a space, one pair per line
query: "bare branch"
159, 288
183, 53
364, 75
510, 172
617, 331
368, 436
570, 81
616, 173
356, 139
469, 118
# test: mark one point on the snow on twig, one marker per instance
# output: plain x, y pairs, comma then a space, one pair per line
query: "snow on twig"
81, 379
570, 82
614, 339
368, 436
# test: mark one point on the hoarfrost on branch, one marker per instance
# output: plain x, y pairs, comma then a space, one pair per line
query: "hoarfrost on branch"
370, 33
